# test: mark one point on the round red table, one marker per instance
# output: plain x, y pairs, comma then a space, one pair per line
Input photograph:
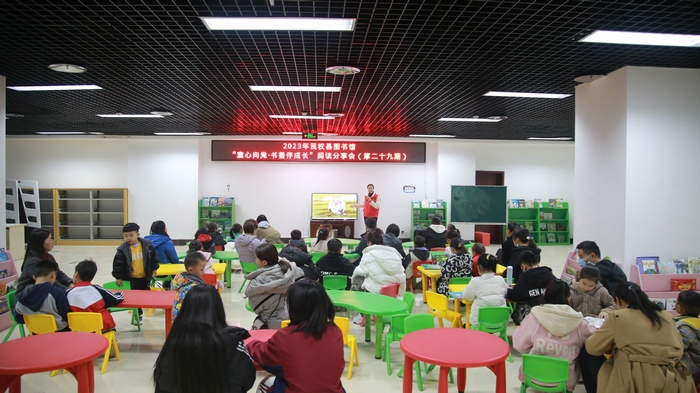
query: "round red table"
260, 335
458, 348
72, 351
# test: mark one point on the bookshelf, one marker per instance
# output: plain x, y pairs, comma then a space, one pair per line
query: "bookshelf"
223, 216
421, 216
547, 225
658, 286
9, 277
86, 216
46, 209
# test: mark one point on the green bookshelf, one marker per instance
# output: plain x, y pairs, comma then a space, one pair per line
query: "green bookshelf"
421, 217
547, 225
223, 216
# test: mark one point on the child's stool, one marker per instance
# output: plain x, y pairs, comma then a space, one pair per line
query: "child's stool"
483, 238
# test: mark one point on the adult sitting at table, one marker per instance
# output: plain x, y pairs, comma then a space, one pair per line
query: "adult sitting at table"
192, 362
267, 232
435, 235
334, 263
610, 274
371, 224
39, 243
248, 242
216, 236
391, 239
165, 249
381, 265
295, 251
267, 287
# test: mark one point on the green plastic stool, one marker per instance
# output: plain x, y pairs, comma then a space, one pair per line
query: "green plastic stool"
395, 333
316, 255
335, 282
11, 304
126, 285
494, 320
545, 370
247, 267
408, 298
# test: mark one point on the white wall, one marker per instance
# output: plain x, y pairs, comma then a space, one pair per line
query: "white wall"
2, 149
601, 123
455, 166
663, 128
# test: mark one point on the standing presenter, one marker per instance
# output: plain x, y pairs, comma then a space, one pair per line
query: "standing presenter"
370, 206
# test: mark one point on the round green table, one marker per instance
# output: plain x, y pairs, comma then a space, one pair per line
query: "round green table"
349, 243
226, 256
370, 304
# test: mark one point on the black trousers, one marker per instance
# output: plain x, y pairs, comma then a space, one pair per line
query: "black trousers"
142, 284
590, 365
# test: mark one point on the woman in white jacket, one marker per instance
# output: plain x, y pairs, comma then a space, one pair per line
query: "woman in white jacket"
380, 265
486, 290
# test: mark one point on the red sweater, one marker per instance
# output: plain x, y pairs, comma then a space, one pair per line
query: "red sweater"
309, 365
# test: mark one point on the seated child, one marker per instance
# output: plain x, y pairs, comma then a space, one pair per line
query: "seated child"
236, 231
195, 262
34, 298
459, 264
417, 254
477, 250
531, 286
487, 289
554, 329
209, 267
589, 296
688, 324
321, 243
448, 238
334, 263
86, 297
297, 252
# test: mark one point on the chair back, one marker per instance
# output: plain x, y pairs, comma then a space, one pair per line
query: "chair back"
11, 304
40, 323
335, 282
316, 255
86, 322
209, 278
398, 326
436, 301
409, 298
438, 249
279, 247
460, 280
416, 322
285, 323
493, 319
248, 267
344, 325
219, 247
126, 285
390, 290
547, 371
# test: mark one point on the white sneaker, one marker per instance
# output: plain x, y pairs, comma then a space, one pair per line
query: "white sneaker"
358, 319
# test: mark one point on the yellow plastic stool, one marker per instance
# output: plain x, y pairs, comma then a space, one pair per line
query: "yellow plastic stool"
349, 340
91, 322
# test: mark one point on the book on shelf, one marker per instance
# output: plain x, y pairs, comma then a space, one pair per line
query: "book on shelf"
548, 216
430, 216
560, 203
660, 301
552, 203
4, 308
551, 238
205, 201
683, 284
3, 254
561, 238
4, 273
213, 201
205, 214
438, 213
220, 202
529, 203
667, 268
681, 265
543, 239
416, 204
216, 213
228, 201
220, 227
529, 226
521, 203
3, 289
551, 227
514, 203
694, 265
561, 227
670, 304
648, 265
567, 278
424, 203
543, 226
571, 270
11, 286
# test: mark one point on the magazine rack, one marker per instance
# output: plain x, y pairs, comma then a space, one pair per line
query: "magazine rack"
9, 275
659, 285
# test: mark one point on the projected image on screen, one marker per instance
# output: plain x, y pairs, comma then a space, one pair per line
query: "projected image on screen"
333, 206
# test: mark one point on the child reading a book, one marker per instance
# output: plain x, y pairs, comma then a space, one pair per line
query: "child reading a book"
529, 290
589, 296
448, 238
194, 263
487, 289
459, 264
86, 297
688, 324
42, 297
478, 249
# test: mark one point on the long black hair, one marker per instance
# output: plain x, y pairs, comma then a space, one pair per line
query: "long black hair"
523, 236
35, 245
195, 347
310, 308
158, 228
322, 235
636, 299
268, 253
557, 292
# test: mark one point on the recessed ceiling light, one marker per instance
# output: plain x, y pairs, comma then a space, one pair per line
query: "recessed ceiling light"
637, 38
493, 119
280, 24
334, 114
302, 117
70, 68
95, 133
123, 115
13, 115
161, 112
181, 133
60, 133
51, 88
431, 136
291, 133
342, 70
524, 95
330, 89
558, 138
327, 133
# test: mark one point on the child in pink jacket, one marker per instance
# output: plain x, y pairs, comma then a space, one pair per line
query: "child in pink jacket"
554, 329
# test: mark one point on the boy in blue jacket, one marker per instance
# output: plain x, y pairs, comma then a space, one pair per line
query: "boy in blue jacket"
42, 297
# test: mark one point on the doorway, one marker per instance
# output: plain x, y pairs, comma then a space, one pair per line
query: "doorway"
491, 178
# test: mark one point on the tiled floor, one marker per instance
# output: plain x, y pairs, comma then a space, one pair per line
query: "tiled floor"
140, 349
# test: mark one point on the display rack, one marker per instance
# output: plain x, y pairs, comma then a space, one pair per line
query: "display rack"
204, 213
551, 231
10, 275
421, 217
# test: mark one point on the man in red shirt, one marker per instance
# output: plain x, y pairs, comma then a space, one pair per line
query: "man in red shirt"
370, 206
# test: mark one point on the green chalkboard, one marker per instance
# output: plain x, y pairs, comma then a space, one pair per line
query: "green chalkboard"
480, 204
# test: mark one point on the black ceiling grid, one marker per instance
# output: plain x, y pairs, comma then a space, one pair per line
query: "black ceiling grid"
420, 61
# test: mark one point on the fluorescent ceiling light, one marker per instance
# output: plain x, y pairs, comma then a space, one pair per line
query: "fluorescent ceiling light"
431, 136
180, 133
327, 133
330, 89
291, 133
558, 138
524, 95
122, 115
302, 117
61, 133
474, 119
280, 24
636, 38
52, 88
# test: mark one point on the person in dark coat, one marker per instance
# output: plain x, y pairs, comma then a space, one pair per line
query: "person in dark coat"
334, 263
523, 242
391, 239
610, 274
436, 235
